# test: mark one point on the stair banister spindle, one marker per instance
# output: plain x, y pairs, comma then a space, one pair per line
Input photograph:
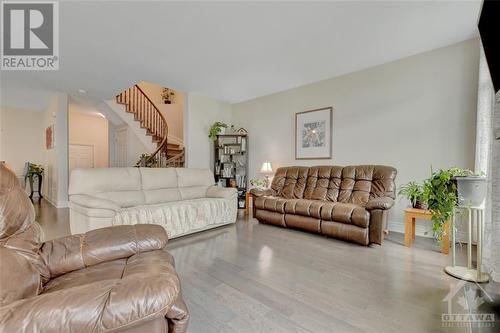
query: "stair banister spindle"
151, 118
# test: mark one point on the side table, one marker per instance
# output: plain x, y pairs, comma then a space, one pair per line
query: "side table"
411, 214
248, 196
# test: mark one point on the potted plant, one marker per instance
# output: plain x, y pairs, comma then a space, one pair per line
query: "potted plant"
441, 193
145, 161
471, 187
414, 192
258, 183
167, 95
35, 169
217, 128
440, 196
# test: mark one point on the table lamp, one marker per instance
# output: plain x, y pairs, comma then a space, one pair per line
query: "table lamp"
267, 169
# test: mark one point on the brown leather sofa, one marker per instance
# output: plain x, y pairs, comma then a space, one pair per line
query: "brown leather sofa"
350, 203
115, 279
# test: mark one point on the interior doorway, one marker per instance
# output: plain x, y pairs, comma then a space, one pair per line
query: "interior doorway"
80, 156
88, 143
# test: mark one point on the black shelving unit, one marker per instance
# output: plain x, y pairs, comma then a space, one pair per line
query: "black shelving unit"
231, 163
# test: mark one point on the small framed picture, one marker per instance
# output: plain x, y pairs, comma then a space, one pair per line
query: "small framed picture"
50, 137
313, 134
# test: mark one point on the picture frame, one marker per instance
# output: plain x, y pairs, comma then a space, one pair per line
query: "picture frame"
313, 134
50, 137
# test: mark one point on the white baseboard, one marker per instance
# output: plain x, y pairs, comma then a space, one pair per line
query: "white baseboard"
60, 204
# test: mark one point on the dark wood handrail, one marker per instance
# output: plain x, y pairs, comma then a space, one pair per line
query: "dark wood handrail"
150, 120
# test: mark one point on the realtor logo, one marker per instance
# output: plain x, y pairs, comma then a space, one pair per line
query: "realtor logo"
30, 35
463, 303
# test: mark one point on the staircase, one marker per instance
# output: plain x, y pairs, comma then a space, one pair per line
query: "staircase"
167, 154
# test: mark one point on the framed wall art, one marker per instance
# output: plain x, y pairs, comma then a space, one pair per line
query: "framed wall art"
313, 134
50, 137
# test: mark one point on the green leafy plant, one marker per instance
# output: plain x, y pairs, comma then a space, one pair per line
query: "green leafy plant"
440, 194
414, 192
216, 129
258, 182
35, 169
146, 161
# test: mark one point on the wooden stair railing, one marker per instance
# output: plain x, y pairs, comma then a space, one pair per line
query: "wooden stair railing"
150, 118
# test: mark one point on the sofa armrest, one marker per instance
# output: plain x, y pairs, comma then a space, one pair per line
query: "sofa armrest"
261, 193
383, 203
89, 201
74, 252
221, 192
107, 305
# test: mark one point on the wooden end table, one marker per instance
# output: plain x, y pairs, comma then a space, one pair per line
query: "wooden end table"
248, 196
411, 214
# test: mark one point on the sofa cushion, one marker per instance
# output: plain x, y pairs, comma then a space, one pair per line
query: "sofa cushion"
272, 204
142, 263
347, 232
304, 207
345, 213
291, 182
181, 217
194, 177
158, 178
88, 181
351, 184
323, 183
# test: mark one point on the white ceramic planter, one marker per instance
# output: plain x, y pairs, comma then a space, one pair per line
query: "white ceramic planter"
471, 190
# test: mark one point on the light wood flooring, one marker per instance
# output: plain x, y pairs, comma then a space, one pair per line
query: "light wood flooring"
251, 277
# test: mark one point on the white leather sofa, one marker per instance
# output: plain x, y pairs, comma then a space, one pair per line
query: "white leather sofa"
181, 200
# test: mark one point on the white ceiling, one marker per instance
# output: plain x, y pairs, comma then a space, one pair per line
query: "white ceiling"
238, 51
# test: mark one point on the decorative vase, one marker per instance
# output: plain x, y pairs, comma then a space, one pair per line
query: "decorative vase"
471, 190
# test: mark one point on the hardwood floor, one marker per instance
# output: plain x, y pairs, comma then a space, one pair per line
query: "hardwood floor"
251, 277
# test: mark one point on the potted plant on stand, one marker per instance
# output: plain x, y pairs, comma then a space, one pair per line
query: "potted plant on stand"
217, 128
440, 196
414, 192
446, 189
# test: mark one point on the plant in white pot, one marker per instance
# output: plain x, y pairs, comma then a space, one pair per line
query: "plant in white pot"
471, 187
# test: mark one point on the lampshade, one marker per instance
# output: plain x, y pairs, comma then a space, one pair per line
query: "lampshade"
266, 168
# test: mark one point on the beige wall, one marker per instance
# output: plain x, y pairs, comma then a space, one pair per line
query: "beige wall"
21, 138
202, 112
90, 129
412, 114
56, 159
173, 113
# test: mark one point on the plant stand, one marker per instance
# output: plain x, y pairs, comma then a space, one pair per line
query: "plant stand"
468, 273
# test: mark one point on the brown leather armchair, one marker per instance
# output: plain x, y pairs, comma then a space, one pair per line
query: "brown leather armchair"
116, 279
350, 203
